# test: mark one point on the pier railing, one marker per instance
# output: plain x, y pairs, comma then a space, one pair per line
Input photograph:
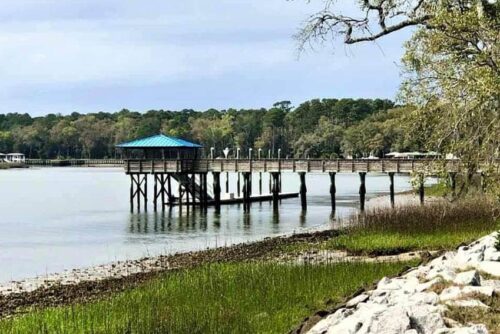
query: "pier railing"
75, 162
289, 165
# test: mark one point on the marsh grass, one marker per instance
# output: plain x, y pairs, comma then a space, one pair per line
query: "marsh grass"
220, 298
490, 317
434, 226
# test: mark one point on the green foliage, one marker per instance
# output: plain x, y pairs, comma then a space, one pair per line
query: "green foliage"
315, 129
435, 226
218, 298
452, 78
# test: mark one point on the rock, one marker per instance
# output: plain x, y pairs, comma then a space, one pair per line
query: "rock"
491, 254
331, 320
450, 293
426, 318
427, 285
454, 292
495, 284
490, 267
474, 329
393, 321
467, 260
467, 303
445, 273
356, 300
468, 278
482, 290
411, 331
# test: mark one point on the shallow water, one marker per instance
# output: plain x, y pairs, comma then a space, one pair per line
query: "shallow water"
61, 218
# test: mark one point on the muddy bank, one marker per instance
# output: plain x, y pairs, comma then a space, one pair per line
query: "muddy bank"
80, 285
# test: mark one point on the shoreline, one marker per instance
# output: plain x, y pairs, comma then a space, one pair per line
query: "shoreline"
84, 285
92, 282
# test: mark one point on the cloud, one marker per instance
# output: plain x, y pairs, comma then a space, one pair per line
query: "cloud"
87, 54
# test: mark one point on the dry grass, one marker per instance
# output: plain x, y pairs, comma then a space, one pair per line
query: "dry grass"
434, 226
489, 317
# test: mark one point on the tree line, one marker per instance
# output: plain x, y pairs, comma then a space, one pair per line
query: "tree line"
317, 128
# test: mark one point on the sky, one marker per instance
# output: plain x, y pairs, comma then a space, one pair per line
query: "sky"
94, 55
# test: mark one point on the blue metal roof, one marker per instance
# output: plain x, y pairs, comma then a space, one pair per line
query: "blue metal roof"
158, 141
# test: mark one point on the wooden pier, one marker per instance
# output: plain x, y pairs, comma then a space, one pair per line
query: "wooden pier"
191, 176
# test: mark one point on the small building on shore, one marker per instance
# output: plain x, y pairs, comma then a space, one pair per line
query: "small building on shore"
15, 158
160, 147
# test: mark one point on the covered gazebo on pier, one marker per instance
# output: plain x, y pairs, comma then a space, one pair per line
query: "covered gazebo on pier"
160, 147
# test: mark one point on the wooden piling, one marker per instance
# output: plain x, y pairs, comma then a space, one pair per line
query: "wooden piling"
333, 191
216, 176
131, 193
227, 182
155, 196
453, 183
145, 192
179, 189
275, 191
163, 191
205, 191
391, 188
421, 190
193, 187
362, 191
169, 188
303, 190
137, 191
260, 183
238, 185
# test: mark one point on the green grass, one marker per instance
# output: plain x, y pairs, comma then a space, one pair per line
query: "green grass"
437, 190
435, 226
220, 298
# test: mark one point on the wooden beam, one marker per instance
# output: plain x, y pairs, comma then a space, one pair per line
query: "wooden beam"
217, 190
391, 188
303, 191
362, 191
333, 191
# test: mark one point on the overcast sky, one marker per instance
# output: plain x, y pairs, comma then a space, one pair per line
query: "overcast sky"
104, 55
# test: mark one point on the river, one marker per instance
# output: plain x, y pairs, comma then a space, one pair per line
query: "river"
52, 219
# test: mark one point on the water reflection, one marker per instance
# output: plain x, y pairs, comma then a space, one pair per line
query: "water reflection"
62, 218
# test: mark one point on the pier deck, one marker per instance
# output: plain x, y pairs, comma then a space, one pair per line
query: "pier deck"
289, 165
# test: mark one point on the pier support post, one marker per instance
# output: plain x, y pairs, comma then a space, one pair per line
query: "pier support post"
179, 191
303, 191
270, 183
362, 191
279, 182
391, 188
247, 191
205, 191
333, 191
155, 196
216, 176
186, 191
238, 185
193, 189
138, 189
421, 189
453, 183
275, 176
163, 191
131, 193
169, 187
145, 192
260, 183
227, 182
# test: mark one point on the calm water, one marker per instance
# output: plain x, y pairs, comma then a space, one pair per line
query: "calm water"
61, 218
